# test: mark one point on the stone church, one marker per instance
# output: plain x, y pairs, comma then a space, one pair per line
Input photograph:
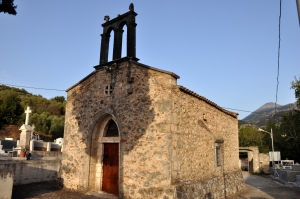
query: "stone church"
131, 131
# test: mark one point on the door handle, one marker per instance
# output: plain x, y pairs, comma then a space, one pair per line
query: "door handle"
105, 156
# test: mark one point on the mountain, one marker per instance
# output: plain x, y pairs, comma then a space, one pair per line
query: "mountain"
266, 112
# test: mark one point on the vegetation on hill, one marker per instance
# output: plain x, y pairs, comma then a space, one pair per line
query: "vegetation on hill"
47, 115
286, 131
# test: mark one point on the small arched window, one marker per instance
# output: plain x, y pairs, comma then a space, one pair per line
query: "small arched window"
108, 90
112, 129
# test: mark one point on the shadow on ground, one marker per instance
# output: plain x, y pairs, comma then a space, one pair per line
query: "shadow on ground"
46, 190
257, 187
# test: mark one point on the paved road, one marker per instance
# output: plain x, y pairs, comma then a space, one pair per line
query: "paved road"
264, 187
258, 187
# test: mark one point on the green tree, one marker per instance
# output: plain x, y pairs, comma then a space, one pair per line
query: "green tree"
7, 6
10, 108
48, 115
41, 121
56, 108
250, 136
287, 133
17, 90
57, 126
290, 135
296, 86
59, 99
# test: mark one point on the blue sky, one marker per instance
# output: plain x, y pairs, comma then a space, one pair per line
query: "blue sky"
225, 51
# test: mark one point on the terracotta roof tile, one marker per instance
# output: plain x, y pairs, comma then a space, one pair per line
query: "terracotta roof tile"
187, 91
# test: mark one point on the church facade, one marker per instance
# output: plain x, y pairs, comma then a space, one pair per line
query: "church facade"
130, 130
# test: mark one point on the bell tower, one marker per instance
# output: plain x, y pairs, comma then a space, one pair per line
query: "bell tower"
117, 25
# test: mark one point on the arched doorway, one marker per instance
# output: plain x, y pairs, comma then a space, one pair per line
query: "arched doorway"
252, 158
104, 164
110, 182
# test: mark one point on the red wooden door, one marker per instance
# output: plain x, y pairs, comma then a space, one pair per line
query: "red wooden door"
110, 182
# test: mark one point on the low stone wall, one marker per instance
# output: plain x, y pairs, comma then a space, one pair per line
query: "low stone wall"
234, 182
211, 188
6, 184
31, 171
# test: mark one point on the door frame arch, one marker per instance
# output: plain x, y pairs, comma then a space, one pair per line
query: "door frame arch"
97, 150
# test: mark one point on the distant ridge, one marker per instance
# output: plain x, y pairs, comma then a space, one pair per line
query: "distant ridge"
264, 113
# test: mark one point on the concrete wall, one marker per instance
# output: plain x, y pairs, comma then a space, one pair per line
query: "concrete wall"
35, 155
6, 184
31, 171
287, 175
163, 137
44, 146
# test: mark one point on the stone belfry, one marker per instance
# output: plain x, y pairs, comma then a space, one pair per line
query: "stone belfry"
117, 25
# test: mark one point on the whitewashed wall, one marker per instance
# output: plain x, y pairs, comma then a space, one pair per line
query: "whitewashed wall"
6, 184
31, 171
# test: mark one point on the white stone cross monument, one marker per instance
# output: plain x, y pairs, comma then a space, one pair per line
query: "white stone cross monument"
28, 111
26, 131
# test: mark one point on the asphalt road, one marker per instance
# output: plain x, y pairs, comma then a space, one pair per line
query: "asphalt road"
257, 187
264, 187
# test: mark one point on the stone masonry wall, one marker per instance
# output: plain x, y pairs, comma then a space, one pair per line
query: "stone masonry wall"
264, 162
253, 158
164, 140
147, 152
145, 136
195, 132
198, 127
215, 187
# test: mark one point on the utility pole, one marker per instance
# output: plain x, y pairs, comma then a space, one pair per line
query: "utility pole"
298, 8
271, 134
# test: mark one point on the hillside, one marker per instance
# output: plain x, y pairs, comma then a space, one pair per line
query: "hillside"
266, 112
48, 115
12, 131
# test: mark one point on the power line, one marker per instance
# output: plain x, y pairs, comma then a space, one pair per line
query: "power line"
278, 59
256, 113
64, 90
32, 87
